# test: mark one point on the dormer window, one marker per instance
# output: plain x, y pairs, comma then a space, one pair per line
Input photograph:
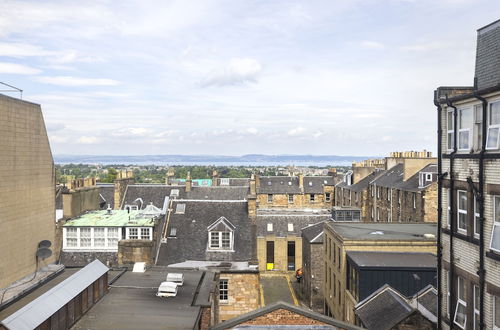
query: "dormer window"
221, 235
224, 182
348, 178
268, 183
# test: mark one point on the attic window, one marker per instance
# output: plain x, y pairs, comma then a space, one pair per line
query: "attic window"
180, 209
269, 227
131, 207
290, 227
221, 235
289, 183
174, 193
428, 176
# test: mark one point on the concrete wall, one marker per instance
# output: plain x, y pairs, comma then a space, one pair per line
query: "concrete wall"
27, 188
135, 250
244, 294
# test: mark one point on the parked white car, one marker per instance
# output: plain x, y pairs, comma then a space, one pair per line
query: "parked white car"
167, 289
177, 278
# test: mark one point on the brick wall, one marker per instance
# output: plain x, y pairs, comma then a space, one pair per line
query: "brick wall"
27, 188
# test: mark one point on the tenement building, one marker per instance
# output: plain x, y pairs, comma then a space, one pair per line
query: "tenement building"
27, 198
469, 193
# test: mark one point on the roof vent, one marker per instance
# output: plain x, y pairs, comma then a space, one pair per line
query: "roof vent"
310, 183
377, 232
109, 209
139, 267
289, 183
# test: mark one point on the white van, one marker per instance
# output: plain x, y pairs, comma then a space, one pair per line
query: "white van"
177, 278
167, 289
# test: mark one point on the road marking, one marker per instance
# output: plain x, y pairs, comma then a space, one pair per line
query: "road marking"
295, 301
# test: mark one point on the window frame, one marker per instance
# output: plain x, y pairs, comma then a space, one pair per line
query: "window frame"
462, 211
496, 223
495, 307
328, 197
450, 132
224, 290
312, 198
290, 199
476, 231
462, 302
463, 130
492, 127
218, 235
476, 311
269, 198
139, 233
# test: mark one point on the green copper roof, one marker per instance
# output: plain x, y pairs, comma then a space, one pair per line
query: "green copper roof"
117, 218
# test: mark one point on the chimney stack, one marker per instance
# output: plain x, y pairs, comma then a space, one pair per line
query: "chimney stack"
301, 182
188, 182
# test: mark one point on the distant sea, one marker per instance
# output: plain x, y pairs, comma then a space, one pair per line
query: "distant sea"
207, 160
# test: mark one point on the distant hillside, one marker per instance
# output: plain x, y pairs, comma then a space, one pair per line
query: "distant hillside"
254, 159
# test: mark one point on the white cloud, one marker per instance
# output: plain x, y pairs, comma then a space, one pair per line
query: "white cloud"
55, 126
372, 45
13, 68
386, 138
296, 131
58, 139
76, 81
252, 130
87, 140
22, 50
237, 71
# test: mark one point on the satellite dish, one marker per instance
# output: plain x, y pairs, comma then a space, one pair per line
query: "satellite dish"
43, 252
45, 243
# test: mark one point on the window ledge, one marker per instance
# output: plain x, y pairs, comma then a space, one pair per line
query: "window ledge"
493, 255
219, 250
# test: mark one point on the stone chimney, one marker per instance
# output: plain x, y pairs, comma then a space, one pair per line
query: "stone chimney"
119, 193
82, 195
189, 182
413, 161
253, 185
301, 182
215, 178
170, 176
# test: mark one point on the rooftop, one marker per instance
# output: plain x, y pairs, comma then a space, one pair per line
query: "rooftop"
384, 231
404, 260
131, 302
314, 233
117, 218
288, 221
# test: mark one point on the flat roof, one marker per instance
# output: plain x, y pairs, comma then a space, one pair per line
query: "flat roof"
393, 259
117, 218
383, 231
131, 302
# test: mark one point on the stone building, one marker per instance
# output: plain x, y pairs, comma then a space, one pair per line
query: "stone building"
341, 237
27, 194
279, 241
294, 191
469, 193
313, 271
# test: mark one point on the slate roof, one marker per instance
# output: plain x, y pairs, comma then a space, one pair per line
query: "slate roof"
149, 193
363, 183
400, 260
240, 320
314, 233
412, 184
386, 307
280, 218
391, 177
383, 231
107, 193
236, 181
383, 309
290, 184
191, 226
487, 70
218, 193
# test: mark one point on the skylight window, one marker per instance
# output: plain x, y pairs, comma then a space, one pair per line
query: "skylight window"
180, 209
174, 193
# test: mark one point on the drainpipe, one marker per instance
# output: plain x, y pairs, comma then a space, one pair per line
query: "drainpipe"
482, 271
439, 210
452, 208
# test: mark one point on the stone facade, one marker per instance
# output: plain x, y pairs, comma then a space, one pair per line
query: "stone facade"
120, 187
131, 251
77, 201
313, 275
300, 201
339, 303
27, 189
283, 317
280, 252
243, 294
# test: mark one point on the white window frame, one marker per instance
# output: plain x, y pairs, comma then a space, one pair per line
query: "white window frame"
131, 207
218, 235
378, 192
448, 207
389, 193
224, 181
180, 208
414, 200
476, 308
290, 227
450, 132
139, 233
492, 127
477, 126
290, 199
108, 240
476, 218
224, 290
428, 177
460, 302
448, 282
269, 227
496, 223
466, 130
461, 211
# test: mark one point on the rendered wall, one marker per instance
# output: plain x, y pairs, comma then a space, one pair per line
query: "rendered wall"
27, 188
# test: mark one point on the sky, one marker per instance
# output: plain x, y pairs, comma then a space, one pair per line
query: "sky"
343, 77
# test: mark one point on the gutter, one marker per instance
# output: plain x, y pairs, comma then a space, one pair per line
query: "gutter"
480, 196
439, 210
451, 281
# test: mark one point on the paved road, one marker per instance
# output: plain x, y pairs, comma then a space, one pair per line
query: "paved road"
276, 289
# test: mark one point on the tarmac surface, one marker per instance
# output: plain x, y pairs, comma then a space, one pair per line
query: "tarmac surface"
276, 288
